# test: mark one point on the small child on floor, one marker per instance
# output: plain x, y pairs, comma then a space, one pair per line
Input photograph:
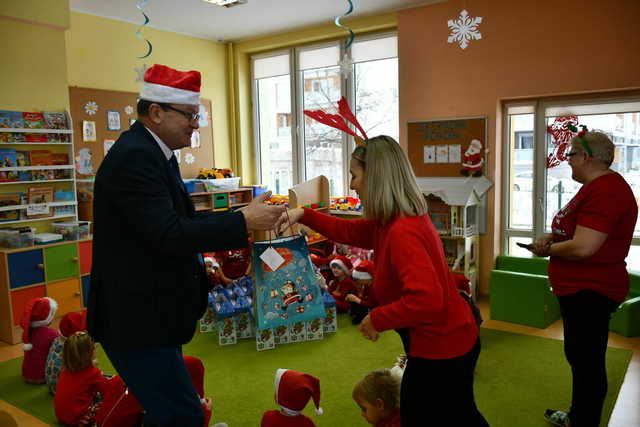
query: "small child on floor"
378, 396
341, 285
293, 391
214, 274
85, 396
362, 300
70, 323
37, 337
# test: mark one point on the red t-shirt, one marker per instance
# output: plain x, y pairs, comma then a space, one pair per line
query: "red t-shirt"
606, 204
278, 419
234, 263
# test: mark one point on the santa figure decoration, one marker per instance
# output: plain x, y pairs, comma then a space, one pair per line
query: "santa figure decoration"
473, 159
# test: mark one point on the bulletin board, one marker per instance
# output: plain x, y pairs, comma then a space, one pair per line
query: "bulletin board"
438, 148
96, 105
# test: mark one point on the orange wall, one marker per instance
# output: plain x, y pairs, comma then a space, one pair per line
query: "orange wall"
528, 48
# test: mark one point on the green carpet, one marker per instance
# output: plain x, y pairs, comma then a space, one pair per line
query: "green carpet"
517, 377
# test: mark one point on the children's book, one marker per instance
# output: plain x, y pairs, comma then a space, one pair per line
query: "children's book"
12, 137
265, 339
11, 119
8, 158
35, 137
40, 157
10, 199
55, 120
60, 158
40, 195
314, 329
22, 158
226, 331
281, 334
33, 120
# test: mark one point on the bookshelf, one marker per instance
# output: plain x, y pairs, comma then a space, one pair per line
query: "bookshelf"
19, 177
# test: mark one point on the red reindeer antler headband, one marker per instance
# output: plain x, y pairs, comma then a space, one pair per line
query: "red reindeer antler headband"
338, 121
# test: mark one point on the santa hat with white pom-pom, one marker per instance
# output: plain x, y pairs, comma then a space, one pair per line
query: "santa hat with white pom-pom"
37, 312
294, 389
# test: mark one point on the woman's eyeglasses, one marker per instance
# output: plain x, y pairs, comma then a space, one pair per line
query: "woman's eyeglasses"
192, 117
571, 154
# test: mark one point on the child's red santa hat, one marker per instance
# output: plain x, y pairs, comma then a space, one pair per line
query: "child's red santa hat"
363, 271
73, 322
213, 261
166, 85
37, 312
294, 389
342, 262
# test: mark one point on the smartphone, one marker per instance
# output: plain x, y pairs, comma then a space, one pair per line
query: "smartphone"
528, 246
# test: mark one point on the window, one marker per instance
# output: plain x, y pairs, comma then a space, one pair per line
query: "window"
310, 78
534, 193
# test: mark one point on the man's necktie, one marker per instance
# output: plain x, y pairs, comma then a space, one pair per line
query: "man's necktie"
173, 165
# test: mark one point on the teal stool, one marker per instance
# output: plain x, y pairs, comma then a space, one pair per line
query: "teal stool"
626, 319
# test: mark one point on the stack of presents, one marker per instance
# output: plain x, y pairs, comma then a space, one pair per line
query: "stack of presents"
279, 302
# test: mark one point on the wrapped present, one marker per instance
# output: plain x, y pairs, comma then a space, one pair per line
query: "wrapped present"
265, 339
315, 329
208, 321
226, 331
328, 299
244, 325
330, 323
298, 332
223, 305
281, 334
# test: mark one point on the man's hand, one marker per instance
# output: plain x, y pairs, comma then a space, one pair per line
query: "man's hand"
260, 216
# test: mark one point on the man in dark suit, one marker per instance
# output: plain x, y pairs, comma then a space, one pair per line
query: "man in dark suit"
148, 283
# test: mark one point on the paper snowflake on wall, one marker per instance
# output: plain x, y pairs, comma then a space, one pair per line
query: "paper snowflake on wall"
128, 109
91, 108
464, 29
189, 158
346, 66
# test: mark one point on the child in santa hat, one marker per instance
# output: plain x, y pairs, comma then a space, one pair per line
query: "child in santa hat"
214, 273
378, 396
362, 300
37, 337
85, 396
293, 391
70, 323
341, 285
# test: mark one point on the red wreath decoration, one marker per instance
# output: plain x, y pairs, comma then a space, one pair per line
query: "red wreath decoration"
562, 134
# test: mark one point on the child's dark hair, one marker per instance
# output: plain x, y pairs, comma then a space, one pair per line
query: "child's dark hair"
78, 352
381, 384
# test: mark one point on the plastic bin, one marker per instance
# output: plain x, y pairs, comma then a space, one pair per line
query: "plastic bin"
257, 189
220, 201
72, 230
222, 183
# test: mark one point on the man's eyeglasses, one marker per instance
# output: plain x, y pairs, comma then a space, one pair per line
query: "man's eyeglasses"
192, 117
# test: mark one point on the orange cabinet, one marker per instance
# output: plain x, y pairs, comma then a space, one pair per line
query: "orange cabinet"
55, 270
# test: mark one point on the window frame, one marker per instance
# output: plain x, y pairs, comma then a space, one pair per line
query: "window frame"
538, 108
299, 170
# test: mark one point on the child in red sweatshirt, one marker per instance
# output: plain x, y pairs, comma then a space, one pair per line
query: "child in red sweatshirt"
378, 396
341, 285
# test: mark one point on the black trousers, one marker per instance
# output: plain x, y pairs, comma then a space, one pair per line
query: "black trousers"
440, 392
159, 379
586, 316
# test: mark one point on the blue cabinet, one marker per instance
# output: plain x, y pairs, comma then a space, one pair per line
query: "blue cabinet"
25, 268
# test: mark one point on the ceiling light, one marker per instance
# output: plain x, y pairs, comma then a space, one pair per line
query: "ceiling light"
226, 3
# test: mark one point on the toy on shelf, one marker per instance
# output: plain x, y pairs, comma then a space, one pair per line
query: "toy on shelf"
319, 205
346, 204
277, 199
214, 173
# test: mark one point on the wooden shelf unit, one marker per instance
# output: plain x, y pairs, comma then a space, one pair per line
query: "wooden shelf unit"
221, 200
58, 270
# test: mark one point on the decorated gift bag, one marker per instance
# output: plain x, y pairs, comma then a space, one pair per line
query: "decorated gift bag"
330, 323
208, 321
244, 325
227, 331
314, 329
281, 334
265, 339
286, 289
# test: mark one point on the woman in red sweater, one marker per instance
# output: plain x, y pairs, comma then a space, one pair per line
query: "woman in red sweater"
415, 293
